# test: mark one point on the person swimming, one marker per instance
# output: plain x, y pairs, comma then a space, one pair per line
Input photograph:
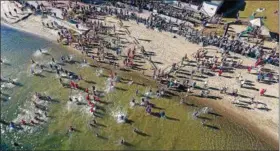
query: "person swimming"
11, 81
122, 142
41, 67
149, 109
32, 61
51, 66
135, 130
162, 114
16, 144
12, 125
71, 129
143, 103
132, 103
62, 58
60, 80
49, 98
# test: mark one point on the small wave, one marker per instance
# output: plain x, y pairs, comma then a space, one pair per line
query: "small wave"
84, 65
40, 52
7, 86
4, 60
119, 115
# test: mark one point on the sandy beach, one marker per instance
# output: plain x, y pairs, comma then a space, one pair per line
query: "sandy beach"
169, 50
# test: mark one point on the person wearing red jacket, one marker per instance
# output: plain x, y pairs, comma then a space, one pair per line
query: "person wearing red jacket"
23, 122
96, 98
262, 91
249, 69
87, 97
220, 72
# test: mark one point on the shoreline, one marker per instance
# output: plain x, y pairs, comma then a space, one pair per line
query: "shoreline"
223, 106
26, 30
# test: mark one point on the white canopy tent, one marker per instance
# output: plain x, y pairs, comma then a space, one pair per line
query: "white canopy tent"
265, 31
256, 22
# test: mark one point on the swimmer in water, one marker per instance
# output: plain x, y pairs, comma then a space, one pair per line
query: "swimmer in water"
53, 60
135, 130
40, 50
11, 81
12, 125
132, 102
60, 80
49, 98
122, 141
51, 66
94, 122
16, 144
71, 129
32, 61
203, 122
23, 122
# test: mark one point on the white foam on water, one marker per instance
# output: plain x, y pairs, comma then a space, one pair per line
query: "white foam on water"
63, 75
27, 113
7, 85
5, 60
99, 72
2, 130
70, 106
108, 87
117, 115
84, 109
38, 53
45, 50
84, 65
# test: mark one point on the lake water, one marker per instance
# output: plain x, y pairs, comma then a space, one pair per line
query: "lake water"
178, 131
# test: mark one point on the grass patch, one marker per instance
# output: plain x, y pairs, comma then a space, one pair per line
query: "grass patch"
270, 6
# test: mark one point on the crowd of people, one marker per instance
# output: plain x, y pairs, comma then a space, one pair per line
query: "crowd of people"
203, 64
226, 43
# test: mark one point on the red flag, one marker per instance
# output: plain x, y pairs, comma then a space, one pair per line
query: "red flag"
249, 69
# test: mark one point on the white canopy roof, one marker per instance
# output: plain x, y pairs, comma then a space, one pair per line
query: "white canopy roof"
256, 22
265, 31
